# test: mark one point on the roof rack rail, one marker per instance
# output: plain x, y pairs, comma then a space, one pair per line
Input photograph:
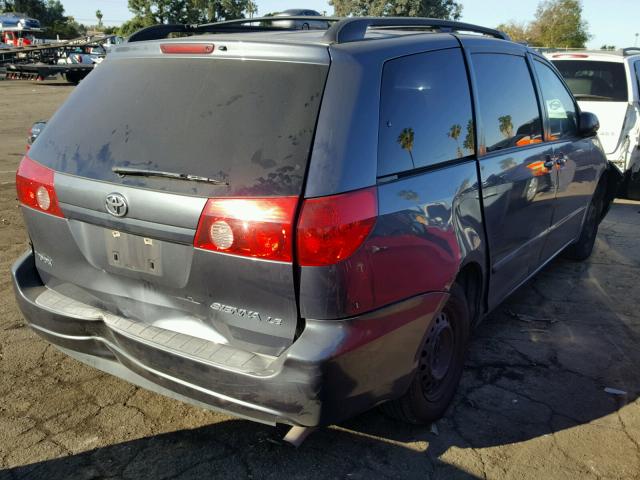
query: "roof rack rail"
354, 29
157, 32
631, 51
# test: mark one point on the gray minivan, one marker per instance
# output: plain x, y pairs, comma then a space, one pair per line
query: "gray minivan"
296, 226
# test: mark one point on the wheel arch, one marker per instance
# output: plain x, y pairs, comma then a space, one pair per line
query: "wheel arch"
472, 280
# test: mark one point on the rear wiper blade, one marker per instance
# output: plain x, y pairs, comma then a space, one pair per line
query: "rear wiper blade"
124, 171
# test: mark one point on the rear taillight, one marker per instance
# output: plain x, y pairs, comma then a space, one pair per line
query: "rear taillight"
34, 184
332, 228
250, 227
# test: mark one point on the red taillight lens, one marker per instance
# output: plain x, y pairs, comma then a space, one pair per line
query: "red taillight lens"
250, 227
187, 48
34, 184
332, 228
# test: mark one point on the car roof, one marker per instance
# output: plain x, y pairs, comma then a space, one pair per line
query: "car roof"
342, 30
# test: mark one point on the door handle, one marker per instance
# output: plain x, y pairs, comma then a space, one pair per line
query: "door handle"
561, 160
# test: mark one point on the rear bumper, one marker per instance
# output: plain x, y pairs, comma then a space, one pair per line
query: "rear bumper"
334, 370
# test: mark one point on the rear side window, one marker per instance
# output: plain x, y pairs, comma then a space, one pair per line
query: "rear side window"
249, 123
594, 81
560, 108
425, 112
508, 105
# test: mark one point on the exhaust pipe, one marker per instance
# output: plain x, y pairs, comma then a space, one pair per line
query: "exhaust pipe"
296, 435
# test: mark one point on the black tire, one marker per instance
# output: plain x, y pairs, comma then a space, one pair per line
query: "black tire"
440, 366
631, 188
581, 249
72, 77
305, 26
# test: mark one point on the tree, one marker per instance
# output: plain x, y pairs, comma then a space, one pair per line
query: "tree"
252, 8
405, 139
559, 23
99, 17
519, 32
454, 133
6, 6
151, 12
50, 13
447, 9
506, 126
469, 142
132, 26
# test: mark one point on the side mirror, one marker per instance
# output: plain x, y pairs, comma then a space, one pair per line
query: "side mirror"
589, 124
36, 129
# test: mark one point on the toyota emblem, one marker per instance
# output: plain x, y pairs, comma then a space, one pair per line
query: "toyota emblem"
116, 204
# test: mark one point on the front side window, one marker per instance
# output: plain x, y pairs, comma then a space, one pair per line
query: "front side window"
561, 110
508, 105
425, 112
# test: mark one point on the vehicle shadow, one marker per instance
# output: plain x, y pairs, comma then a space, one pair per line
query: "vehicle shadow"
537, 367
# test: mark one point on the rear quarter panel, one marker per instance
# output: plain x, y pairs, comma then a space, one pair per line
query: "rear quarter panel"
429, 226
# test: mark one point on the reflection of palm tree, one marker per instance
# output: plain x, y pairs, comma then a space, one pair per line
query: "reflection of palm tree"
405, 139
469, 139
506, 126
454, 133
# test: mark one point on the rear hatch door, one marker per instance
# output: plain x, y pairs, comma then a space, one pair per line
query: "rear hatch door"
239, 125
601, 88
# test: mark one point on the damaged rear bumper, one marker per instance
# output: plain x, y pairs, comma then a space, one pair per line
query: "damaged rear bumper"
334, 370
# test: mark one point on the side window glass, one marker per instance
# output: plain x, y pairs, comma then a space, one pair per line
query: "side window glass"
638, 75
425, 112
558, 103
508, 105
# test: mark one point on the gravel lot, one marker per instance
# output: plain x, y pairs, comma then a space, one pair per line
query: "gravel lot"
532, 402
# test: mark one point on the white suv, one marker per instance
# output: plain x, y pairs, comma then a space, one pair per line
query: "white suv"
607, 83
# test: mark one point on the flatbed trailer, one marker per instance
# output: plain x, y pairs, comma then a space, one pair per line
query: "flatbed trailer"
37, 62
73, 73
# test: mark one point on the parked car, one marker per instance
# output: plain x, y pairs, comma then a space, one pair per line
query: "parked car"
86, 55
608, 84
301, 24
298, 240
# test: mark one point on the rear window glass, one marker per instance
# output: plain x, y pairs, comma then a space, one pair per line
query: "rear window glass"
249, 123
594, 81
508, 104
425, 113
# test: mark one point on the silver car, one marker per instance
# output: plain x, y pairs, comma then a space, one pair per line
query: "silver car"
302, 24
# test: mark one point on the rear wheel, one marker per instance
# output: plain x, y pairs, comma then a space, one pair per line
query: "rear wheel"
632, 186
440, 366
72, 77
305, 26
581, 249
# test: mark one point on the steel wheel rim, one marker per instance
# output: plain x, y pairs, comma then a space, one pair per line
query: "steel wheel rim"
437, 358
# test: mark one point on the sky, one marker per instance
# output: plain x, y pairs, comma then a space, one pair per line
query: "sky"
613, 24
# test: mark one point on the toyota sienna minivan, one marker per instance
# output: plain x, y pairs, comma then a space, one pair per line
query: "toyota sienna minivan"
297, 226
